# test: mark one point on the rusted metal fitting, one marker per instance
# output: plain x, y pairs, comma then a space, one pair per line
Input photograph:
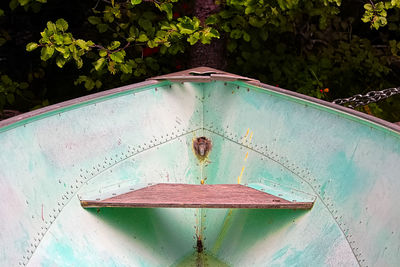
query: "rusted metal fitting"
202, 146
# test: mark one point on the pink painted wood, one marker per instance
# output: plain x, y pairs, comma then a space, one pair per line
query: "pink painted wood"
197, 196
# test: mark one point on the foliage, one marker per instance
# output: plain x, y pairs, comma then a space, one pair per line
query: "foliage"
323, 48
141, 29
8, 90
314, 47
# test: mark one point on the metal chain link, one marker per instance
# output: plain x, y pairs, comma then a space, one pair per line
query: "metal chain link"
370, 97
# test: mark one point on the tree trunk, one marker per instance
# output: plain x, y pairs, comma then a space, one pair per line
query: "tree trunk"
212, 55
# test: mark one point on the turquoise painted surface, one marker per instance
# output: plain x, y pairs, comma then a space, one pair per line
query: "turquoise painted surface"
348, 163
134, 138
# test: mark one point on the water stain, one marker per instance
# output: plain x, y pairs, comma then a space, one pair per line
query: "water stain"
200, 260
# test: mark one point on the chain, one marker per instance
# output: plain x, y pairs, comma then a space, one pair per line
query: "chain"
370, 97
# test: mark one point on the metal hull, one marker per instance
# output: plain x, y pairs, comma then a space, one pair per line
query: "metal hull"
127, 138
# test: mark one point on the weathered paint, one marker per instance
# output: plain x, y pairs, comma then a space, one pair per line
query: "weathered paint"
267, 139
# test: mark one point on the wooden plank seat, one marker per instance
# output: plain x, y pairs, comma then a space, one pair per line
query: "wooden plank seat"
197, 196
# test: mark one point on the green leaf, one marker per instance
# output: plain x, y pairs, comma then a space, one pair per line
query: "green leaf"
67, 37
133, 31
142, 38
167, 7
145, 23
94, 20
31, 46
139, 60
114, 45
236, 34
193, 38
23, 85
211, 20
99, 63
186, 28
366, 18
163, 49
117, 57
102, 27
152, 63
60, 61
10, 98
79, 62
6, 80
214, 33
111, 67
249, 9
136, 2
187, 25
13, 4
1, 12
63, 50
23, 2
103, 52
80, 79
52, 27
368, 7
82, 44
98, 84
256, 22
62, 25
126, 68
47, 52
89, 84
226, 14
58, 38
246, 37
151, 44
395, 3
108, 15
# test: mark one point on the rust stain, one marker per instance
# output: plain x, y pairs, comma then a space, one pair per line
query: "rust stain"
223, 232
241, 174
251, 136
245, 140
247, 133
202, 147
199, 245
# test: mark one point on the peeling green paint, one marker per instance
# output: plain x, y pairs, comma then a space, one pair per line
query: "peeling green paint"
127, 140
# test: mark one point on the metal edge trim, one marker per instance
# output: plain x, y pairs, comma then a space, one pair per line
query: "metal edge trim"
350, 111
182, 77
213, 75
8, 123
